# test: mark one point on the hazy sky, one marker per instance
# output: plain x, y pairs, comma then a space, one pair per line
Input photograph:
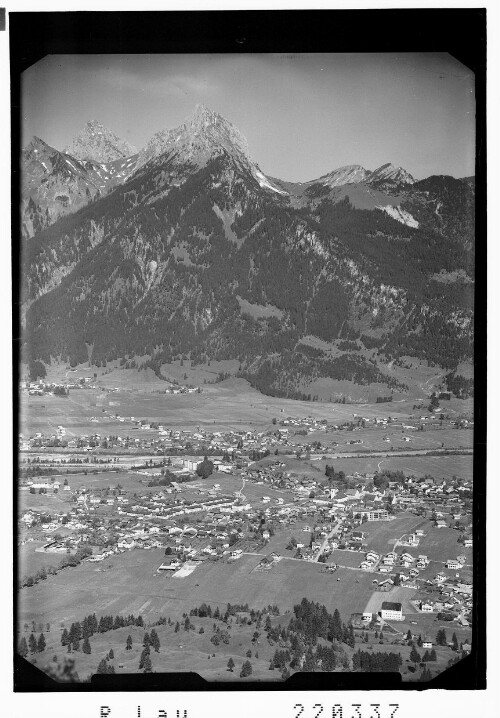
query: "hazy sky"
303, 115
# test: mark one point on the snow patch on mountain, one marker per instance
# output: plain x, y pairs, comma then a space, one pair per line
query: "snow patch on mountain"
264, 182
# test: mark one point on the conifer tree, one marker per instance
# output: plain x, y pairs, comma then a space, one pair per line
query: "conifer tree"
426, 675
414, 655
246, 669
441, 637
129, 643
32, 643
86, 646
41, 643
230, 664
23, 647
155, 641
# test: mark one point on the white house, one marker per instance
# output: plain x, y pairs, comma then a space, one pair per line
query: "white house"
391, 611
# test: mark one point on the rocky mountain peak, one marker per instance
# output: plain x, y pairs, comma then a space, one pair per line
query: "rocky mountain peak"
204, 134
36, 149
99, 144
349, 174
391, 174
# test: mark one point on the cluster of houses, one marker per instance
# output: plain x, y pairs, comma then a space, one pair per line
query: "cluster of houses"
183, 390
392, 561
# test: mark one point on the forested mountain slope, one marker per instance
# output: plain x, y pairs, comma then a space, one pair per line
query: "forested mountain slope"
198, 253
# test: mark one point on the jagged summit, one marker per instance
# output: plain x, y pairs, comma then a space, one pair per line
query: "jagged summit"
349, 174
99, 144
389, 173
204, 135
35, 148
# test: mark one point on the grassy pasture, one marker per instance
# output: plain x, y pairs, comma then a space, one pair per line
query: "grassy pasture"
43, 502
192, 651
352, 559
181, 651
132, 585
438, 466
441, 544
373, 439
29, 560
227, 405
279, 541
381, 535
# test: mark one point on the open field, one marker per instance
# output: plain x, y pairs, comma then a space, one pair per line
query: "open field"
129, 583
381, 535
351, 559
43, 502
230, 404
279, 541
437, 466
441, 544
31, 560
372, 438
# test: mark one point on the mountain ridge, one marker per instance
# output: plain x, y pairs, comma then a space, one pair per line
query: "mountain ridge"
156, 265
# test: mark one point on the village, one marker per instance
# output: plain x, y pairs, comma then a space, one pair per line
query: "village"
220, 509
369, 511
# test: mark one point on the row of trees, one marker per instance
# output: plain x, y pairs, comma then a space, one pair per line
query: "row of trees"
371, 662
69, 560
33, 645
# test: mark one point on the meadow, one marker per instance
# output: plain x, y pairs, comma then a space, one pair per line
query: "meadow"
437, 466
381, 535
30, 560
129, 583
226, 405
441, 544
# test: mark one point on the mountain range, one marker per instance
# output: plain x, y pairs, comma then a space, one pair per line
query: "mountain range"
186, 248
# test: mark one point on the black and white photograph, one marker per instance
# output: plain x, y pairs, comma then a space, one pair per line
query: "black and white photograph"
247, 368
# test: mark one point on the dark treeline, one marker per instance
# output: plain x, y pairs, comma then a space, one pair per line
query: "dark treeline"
370, 662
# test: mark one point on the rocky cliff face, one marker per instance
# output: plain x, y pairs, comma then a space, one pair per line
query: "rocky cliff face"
54, 184
95, 142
